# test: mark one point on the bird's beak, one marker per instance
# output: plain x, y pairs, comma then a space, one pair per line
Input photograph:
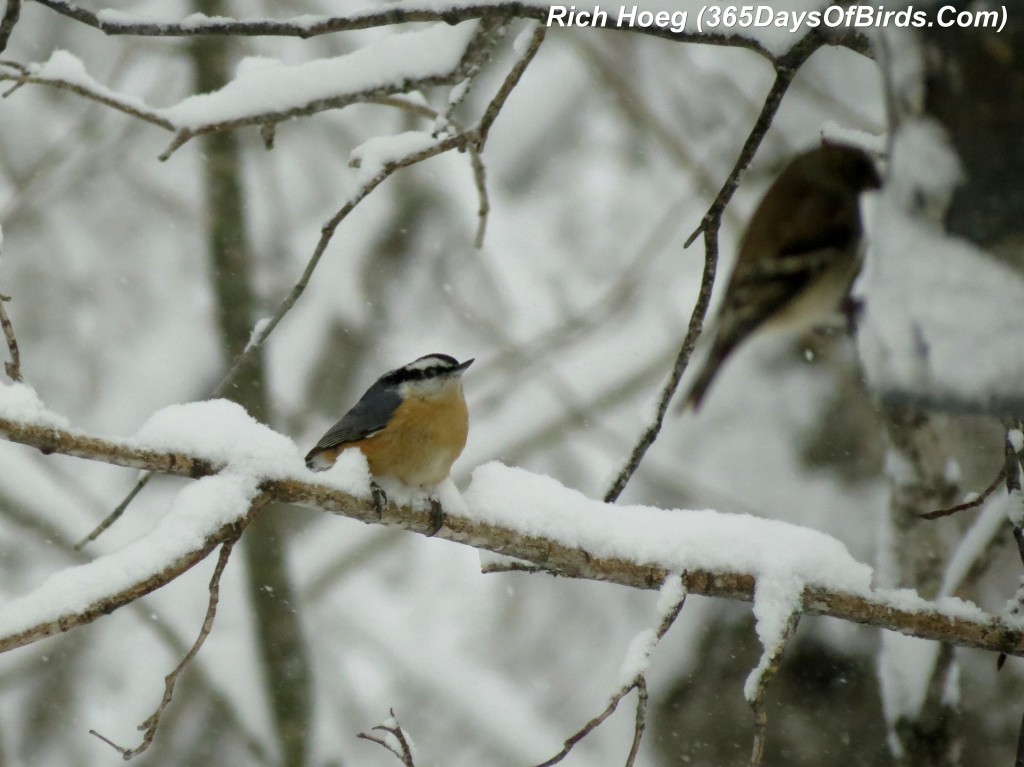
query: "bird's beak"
461, 368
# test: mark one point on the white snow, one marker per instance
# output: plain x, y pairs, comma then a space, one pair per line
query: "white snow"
274, 87
197, 511
942, 318
972, 544
221, 431
678, 539
776, 600
904, 667
1016, 437
374, 154
19, 402
638, 655
65, 66
257, 332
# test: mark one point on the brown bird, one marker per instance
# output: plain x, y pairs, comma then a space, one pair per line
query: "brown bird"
799, 256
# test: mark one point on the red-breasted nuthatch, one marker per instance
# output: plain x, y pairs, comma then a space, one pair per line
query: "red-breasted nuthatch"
411, 425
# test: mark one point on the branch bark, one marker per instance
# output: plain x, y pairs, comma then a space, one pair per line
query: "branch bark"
879, 608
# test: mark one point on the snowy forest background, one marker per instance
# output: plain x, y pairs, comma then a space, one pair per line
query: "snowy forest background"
603, 160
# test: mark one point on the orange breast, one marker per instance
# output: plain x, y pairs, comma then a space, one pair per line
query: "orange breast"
422, 441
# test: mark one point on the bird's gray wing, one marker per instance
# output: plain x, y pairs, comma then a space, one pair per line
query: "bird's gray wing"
369, 415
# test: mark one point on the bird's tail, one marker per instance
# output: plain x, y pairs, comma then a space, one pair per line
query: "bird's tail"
720, 352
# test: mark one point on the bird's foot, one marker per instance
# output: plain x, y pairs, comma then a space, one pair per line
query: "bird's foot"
380, 499
436, 517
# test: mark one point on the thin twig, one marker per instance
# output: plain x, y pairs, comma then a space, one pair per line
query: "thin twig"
508, 85
12, 368
115, 515
971, 504
758, 702
11, 13
693, 331
129, 107
638, 683
1013, 484
404, 750
153, 722
785, 70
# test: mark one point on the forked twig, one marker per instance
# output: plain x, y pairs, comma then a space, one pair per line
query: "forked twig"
400, 747
153, 722
638, 683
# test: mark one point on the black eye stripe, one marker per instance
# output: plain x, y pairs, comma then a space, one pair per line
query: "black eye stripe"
404, 375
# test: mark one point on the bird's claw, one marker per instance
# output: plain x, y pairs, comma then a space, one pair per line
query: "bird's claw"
436, 517
380, 499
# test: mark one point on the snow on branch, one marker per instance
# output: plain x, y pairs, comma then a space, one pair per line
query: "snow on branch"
266, 92
113, 22
507, 510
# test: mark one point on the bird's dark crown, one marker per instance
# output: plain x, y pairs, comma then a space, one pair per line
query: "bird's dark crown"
423, 369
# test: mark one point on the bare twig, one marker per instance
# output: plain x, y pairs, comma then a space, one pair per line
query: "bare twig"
11, 13
1013, 483
115, 515
128, 106
153, 722
12, 368
974, 503
786, 68
401, 747
693, 332
758, 701
508, 85
638, 683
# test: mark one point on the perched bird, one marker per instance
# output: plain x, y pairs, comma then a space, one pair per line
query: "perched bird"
799, 256
411, 425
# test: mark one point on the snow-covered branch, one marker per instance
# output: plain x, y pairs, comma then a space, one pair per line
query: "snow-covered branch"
506, 510
117, 23
266, 93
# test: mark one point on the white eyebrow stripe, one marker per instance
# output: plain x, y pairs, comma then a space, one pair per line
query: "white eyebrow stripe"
428, 362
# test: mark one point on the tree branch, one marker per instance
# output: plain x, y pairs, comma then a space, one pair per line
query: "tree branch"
880, 608
305, 28
153, 722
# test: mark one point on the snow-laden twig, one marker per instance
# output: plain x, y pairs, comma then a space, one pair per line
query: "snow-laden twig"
673, 596
394, 739
267, 93
947, 620
152, 723
777, 610
114, 23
